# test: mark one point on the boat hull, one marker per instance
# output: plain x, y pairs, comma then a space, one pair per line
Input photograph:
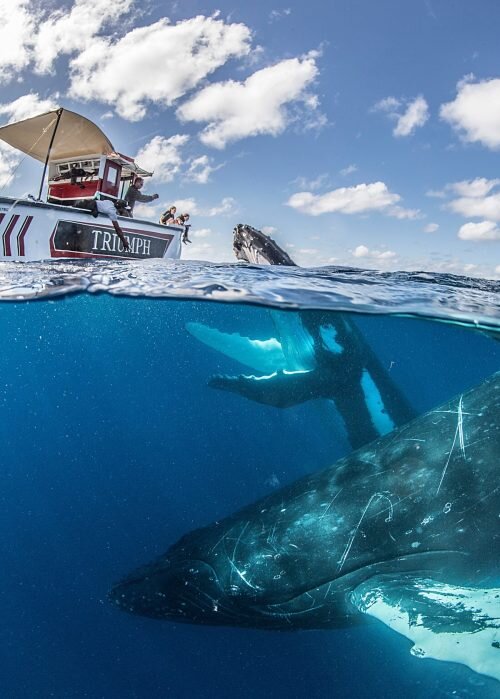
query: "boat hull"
31, 231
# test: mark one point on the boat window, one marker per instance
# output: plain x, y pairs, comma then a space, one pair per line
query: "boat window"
112, 173
64, 169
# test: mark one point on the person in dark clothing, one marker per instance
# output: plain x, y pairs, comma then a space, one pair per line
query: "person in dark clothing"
134, 194
168, 216
182, 220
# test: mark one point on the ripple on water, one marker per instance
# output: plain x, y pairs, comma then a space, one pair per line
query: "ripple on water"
441, 296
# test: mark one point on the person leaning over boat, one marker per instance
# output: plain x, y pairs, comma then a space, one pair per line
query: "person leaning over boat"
111, 210
182, 220
134, 194
168, 216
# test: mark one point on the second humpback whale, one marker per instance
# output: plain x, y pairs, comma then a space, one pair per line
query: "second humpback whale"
405, 530
315, 354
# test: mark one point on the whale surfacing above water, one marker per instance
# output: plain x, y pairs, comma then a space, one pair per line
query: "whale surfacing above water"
405, 530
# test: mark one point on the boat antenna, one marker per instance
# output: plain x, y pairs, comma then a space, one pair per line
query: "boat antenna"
59, 113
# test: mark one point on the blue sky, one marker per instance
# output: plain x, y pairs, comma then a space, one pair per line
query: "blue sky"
355, 133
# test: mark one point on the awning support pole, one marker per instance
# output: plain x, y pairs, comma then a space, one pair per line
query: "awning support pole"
59, 113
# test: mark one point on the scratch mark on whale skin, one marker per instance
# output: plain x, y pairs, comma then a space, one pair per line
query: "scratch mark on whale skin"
375, 496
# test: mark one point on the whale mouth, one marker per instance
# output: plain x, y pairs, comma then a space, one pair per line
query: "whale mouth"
187, 590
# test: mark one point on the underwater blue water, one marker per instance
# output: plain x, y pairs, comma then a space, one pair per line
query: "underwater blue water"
113, 446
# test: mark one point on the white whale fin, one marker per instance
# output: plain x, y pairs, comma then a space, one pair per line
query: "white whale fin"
444, 622
262, 355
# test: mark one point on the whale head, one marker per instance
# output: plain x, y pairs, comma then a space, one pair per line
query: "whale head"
234, 581
172, 588
251, 245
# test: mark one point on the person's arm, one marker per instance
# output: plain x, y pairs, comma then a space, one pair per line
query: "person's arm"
119, 232
145, 197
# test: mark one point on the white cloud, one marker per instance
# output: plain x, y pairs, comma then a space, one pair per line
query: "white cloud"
200, 169
388, 104
415, 116
485, 230
497, 270
279, 14
260, 105
399, 212
308, 251
431, 228
475, 112
226, 207
454, 267
162, 155
349, 170
208, 244
158, 63
27, 106
150, 211
30, 35
436, 194
22, 108
9, 160
316, 183
201, 233
477, 207
363, 252
199, 251
185, 205
73, 31
351, 200
478, 187
269, 230
17, 25
475, 198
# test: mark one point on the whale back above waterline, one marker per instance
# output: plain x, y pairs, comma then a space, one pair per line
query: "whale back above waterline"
413, 516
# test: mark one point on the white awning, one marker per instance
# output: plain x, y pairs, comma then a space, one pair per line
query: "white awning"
76, 136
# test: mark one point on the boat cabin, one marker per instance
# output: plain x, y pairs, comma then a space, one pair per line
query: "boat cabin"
72, 180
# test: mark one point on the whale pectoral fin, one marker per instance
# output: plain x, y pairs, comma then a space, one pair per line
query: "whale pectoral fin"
261, 355
281, 389
444, 622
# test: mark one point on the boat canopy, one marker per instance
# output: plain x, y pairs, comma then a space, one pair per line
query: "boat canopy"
76, 137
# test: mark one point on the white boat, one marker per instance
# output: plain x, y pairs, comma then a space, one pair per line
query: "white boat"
82, 165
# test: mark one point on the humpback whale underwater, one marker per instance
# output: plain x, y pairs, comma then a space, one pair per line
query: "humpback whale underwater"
405, 530
314, 355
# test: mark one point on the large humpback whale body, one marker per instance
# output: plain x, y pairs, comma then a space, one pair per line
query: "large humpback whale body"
406, 530
315, 354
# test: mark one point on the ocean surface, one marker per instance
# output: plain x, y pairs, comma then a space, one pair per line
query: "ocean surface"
113, 446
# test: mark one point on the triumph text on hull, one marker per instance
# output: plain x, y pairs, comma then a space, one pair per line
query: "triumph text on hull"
82, 165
